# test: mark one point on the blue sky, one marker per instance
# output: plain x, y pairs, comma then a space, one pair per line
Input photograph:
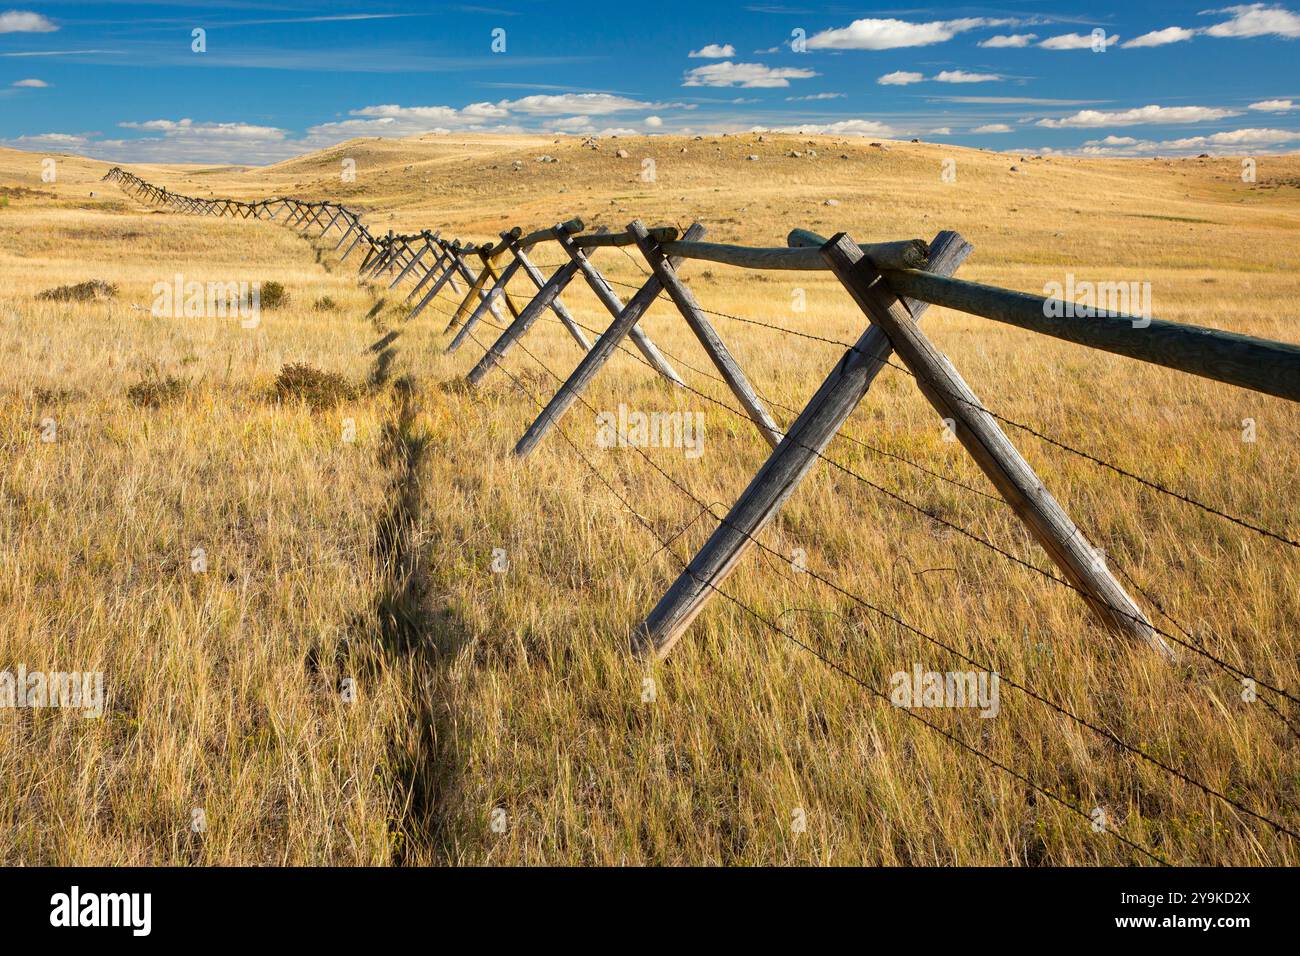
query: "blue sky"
122, 81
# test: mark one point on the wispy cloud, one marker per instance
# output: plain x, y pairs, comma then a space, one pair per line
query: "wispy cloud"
1075, 41
1226, 142
962, 76
31, 84
1274, 106
1008, 41
901, 78
1085, 119
905, 78
1256, 20
1160, 37
851, 127
992, 128
746, 75
23, 53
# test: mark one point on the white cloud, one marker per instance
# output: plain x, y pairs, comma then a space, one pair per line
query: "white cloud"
589, 104
992, 128
71, 142
187, 128
854, 127
1228, 142
654, 122
714, 51
961, 76
1074, 41
728, 73
1137, 117
814, 96
1240, 137
24, 21
1009, 41
31, 84
1161, 37
889, 34
1274, 106
1256, 20
900, 78
570, 123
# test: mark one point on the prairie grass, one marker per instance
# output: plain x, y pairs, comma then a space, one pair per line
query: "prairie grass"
408, 646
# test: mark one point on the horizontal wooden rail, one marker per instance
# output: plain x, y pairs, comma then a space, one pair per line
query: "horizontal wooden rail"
1262, 365
905, 254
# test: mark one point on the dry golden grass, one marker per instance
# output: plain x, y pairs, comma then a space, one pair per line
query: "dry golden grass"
480, 691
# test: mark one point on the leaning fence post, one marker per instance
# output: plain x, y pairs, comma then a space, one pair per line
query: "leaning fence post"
614, 305
498, 289
625, 320
980, 434
722, 359
412, 263
546, 297
453, 259
558, 307
781, 474
440, 265
476, 284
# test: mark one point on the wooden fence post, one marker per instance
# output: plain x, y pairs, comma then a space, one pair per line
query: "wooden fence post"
614, 305
547, 297
415, 259
558, 307
440, 265
980, 434
498, 289
625, 319
453, 259
717, 351
780, 475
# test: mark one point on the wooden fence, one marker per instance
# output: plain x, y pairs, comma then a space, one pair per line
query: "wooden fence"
892, 282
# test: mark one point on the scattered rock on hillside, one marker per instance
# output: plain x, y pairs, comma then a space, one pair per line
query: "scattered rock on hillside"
831, 202
621, 154
544, 158
751, 157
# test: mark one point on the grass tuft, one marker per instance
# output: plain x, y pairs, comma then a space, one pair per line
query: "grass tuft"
87, 291
273, 295
313, 386
155, 391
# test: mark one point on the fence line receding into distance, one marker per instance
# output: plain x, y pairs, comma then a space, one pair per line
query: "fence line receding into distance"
893, 283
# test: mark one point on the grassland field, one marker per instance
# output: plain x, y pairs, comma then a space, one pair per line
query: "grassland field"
496, 717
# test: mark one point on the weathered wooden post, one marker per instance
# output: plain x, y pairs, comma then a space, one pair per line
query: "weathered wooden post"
498, 289
453, 260
414, 261
722, 359
558, 307
625, 319
781, 474
547, 297
1083, 566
